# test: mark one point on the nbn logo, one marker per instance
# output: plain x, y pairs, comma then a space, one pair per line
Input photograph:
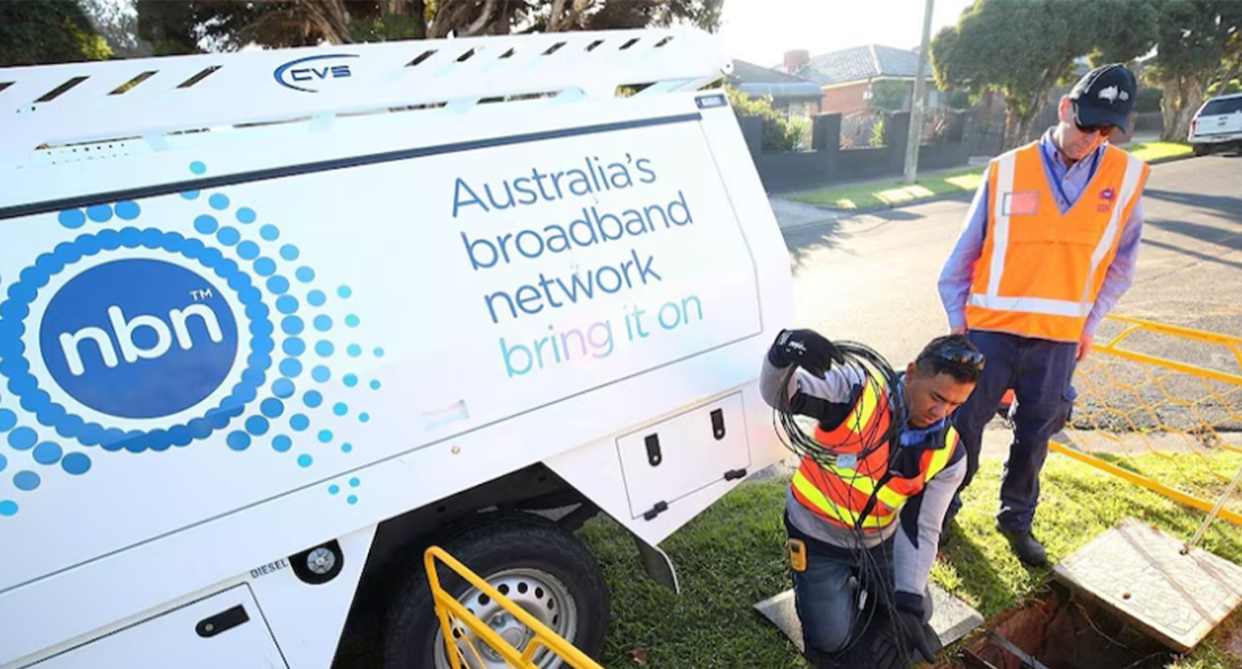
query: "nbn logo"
123, 332
139, 338
303, 73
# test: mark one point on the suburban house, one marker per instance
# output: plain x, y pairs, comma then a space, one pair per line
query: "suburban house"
848, 78
792, 95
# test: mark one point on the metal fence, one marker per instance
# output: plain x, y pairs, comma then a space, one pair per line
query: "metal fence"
1161, 406
938, 125
984, 133
863, 130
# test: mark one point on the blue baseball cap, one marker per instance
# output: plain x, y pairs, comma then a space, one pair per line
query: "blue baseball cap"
1105, 96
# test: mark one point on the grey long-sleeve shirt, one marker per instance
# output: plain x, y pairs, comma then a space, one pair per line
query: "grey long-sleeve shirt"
829, 401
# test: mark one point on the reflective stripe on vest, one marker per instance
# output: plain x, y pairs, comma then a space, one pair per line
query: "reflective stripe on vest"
1041, 270
840, 494
869, 416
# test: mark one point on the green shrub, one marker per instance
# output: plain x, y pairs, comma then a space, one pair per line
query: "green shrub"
877, 134
780, 133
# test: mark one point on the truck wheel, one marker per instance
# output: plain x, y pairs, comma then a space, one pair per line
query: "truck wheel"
1202, 149
537, 565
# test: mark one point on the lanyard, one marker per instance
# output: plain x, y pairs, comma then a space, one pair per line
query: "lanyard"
1056, 182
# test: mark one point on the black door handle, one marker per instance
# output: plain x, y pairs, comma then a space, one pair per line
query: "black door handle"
222, 622
654, 457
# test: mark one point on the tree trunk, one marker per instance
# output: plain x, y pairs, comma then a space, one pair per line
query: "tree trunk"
1181, 99
1022, 112
1018, 128
462, 18
332, 19
554, 19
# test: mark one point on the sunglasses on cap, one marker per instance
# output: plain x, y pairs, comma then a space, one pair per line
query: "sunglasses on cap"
1105, 130
963, 356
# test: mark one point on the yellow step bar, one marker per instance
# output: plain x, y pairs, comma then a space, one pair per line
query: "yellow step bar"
453, 616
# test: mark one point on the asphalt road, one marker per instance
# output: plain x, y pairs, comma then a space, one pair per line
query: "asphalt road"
872, 278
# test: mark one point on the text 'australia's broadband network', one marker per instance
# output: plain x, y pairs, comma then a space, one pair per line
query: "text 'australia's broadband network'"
589, 226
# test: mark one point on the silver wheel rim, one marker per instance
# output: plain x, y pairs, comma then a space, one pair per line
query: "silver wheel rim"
539, 593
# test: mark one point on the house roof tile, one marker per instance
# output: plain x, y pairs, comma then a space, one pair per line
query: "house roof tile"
860, 64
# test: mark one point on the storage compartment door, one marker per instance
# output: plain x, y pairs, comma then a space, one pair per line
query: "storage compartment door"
224, 630
667, 461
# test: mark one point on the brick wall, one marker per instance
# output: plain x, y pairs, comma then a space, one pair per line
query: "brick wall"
844, 99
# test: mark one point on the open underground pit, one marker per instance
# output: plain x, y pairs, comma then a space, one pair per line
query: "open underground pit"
1059, 630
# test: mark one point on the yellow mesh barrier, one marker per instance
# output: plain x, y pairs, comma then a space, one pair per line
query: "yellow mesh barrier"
470, 643
1161, 406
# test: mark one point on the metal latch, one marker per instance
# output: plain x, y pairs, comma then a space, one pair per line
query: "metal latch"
735, 474
718, 425
654, 458
656, 510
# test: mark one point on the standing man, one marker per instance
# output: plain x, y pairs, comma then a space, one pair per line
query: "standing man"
1049, 246
863, 515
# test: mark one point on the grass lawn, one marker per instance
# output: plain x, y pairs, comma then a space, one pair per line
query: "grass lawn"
962, 181
1159, 150
730, 557
875, 194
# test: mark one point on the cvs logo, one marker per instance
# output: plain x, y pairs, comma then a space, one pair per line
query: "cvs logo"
302, 74
139, 338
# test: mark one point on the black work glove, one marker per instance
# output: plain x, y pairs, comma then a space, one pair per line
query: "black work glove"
906, 641
806, 348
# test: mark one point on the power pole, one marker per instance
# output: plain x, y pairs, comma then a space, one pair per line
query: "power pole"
916, 103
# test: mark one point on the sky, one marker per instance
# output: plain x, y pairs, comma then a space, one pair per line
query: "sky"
761, 31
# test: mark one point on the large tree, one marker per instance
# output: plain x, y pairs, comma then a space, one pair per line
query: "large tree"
117, 22
195, 25
50, 31
1200, 45
1025, 49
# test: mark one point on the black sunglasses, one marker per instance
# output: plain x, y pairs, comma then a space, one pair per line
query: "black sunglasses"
1105, 130
963, 356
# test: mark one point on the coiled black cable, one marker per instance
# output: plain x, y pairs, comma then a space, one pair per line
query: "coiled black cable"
871, 369
872, 373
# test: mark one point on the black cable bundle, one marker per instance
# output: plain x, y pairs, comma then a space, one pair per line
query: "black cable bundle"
867, 365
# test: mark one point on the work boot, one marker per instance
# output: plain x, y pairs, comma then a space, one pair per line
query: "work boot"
1026, 546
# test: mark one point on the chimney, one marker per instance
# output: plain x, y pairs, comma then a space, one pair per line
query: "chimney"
794, 60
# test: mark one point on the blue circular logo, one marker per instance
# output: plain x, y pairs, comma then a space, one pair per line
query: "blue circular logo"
139, 338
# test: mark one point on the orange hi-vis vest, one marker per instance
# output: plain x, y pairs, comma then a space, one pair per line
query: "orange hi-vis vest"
841, 492
1040, 270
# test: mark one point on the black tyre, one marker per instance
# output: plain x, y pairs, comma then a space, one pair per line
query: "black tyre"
531, 561
1202, 149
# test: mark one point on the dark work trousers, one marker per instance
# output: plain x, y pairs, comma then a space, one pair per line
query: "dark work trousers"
826, 598
1040, 372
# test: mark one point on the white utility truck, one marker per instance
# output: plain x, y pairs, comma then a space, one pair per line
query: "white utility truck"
274, 322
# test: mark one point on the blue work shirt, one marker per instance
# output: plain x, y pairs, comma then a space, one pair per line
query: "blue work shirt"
1066, 185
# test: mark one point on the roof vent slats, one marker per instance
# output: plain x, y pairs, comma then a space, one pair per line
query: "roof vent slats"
203, 74
61, 89
421, 57
132, 83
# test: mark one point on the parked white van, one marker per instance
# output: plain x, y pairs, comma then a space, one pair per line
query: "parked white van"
272, 323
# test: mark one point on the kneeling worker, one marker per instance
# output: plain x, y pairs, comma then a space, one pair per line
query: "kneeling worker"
864, 509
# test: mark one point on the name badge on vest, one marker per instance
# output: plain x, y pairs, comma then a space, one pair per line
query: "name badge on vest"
1020, 203
847, 461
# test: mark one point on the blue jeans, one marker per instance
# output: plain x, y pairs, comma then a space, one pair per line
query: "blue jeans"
826, 594
1040, 373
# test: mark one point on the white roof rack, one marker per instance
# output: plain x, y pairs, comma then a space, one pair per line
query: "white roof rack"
55, 105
